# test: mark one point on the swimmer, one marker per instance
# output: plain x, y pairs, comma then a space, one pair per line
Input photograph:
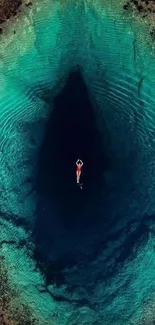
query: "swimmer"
79, 165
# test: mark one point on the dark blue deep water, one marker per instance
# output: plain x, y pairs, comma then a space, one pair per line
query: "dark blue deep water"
71, 132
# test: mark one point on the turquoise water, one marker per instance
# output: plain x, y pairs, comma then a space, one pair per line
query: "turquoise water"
117, 286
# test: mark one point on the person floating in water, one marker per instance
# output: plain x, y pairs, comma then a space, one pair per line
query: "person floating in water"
79, 165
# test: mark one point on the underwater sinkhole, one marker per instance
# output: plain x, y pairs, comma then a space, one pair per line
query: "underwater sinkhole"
71, 132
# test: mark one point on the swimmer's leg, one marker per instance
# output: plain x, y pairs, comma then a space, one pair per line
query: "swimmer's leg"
77, 177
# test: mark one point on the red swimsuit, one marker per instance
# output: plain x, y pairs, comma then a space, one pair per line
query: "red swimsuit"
78, 168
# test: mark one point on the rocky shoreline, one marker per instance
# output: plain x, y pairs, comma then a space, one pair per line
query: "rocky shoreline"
142, 6
10, 8
145, 8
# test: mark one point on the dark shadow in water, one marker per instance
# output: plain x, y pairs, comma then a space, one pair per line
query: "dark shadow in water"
71, 133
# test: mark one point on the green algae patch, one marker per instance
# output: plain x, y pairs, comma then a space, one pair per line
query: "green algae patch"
144, 12
139, 23
12, 310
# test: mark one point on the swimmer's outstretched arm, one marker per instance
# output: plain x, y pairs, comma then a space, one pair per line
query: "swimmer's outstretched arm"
79, 161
